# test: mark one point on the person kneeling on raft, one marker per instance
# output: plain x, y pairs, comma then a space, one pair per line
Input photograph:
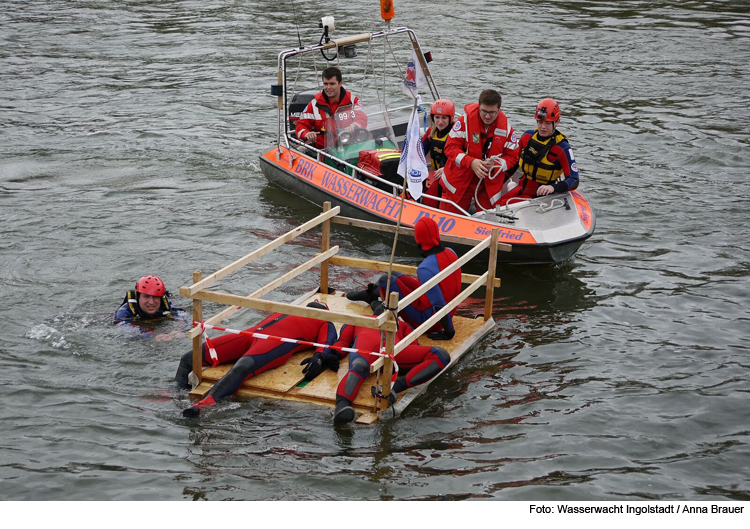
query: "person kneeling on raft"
437, 258
417, 364
255, 355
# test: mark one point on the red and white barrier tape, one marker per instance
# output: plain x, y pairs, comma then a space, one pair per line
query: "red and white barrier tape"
211, 350
215, 359
394, 375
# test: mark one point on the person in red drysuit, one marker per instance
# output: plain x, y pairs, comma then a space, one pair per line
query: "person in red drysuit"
417, 364
255, 355
310, 127
481, 148
437, 258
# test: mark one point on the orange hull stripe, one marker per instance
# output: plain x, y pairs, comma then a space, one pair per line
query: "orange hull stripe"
384, 205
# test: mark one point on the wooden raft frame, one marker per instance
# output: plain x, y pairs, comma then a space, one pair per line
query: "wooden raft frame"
287, 382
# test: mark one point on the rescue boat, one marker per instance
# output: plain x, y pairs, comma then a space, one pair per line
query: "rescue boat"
544, 230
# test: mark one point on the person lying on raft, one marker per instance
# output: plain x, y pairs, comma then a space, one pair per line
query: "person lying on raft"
148, 302
437, 258
255, 355
417, 364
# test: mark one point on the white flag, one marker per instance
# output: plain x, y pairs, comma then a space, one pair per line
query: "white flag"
413, 165
414, 76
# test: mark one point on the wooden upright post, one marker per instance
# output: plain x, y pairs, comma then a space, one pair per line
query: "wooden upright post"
390, 344
491, 275
198, 338
324, 247
280, 104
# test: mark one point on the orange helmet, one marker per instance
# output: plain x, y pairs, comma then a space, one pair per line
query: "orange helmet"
150, 285
548, 110
443, 107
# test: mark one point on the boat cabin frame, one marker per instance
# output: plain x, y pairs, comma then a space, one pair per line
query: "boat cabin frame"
281, 89
286, 136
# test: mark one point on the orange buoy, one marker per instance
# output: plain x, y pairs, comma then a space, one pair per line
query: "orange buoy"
386, 10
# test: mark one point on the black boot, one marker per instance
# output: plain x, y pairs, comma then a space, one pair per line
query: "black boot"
377, 307
398, 386
441, 335
344, 412
368, 296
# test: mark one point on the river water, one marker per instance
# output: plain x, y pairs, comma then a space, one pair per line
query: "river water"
130, 134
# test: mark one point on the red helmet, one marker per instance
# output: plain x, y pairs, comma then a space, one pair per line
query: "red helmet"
443, 107
151, 285
426, 233
548, 110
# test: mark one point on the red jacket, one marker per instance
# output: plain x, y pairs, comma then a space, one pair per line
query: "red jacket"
320, 109
468, 141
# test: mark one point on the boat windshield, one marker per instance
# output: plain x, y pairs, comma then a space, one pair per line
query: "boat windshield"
352, 129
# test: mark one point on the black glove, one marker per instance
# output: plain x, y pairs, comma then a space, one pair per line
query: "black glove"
314, 366
332, 361
441, 335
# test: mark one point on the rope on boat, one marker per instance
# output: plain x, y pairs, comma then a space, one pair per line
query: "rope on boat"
394, 375
390, 263
398, 225
490, 176
215, 358
368, 62
555, 203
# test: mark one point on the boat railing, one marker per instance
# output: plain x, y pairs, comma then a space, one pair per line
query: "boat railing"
356, 39
320, 155
396, 189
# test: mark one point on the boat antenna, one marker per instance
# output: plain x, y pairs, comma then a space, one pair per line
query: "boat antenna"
327, 24
296, 25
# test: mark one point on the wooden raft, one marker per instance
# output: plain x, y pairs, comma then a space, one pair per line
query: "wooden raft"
287, 382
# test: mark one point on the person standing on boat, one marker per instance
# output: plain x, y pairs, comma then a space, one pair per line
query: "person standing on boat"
417, 364
311, 126
443, 113
481, 147
148, 302
546, 158
255, 355
437, 258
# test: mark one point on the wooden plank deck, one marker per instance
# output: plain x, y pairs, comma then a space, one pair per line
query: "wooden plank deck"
287, 382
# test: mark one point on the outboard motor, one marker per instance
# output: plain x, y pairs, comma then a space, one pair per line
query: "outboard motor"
298, 104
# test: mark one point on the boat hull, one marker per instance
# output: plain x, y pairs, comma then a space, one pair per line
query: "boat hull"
316, 182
